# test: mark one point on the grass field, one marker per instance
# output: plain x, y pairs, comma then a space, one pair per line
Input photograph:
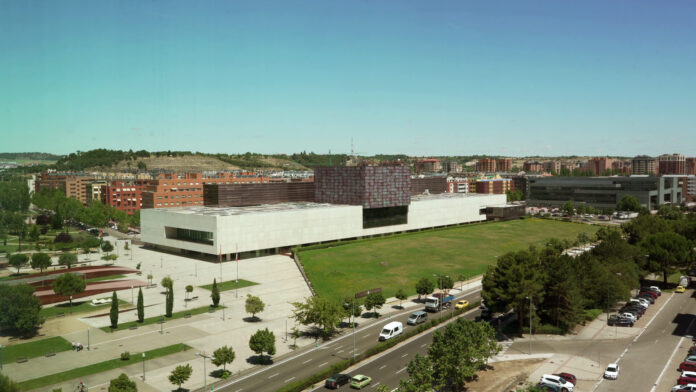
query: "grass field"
37, 348
153, 320
101, 278
78, 307
229, 285
400, 261
100, 367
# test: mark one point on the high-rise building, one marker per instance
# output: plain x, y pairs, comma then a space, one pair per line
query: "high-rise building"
73, 184
532, 167
124, 195
452, 167
487, 165
430, 165
503, 164
643, 164
671, 164
691, 166
599, 165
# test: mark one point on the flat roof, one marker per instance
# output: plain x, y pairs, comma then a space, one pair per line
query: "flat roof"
228, 211
447, 195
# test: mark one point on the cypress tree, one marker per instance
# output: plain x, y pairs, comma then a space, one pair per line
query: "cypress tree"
141, 306
170, 302
114, 311
215, 295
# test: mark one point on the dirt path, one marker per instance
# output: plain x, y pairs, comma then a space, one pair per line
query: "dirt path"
504, 376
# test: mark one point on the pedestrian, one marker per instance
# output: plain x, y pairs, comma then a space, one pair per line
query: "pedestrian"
79, 346
73, 346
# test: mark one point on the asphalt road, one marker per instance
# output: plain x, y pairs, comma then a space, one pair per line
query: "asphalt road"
303, 364
645, 358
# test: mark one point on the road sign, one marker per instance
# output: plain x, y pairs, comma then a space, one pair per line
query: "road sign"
368, 292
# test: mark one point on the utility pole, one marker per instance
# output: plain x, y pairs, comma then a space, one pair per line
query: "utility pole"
143, 366
530, 325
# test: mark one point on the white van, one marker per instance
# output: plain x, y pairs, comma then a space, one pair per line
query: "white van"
391, 330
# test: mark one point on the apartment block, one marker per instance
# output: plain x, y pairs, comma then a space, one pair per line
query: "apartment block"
599, 165
532, 167
486, 165
691, 166
457, 185
644, 165
451, 167
430, 165
124, 195
552, 167
494, 186
503, 164
73, 184
671, 164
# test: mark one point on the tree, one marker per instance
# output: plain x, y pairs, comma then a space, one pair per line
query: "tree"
123, 227
67, 259
320, 312
167, 283
142, 165
669, 212
420, 375
351, 308
445, 283
40, 261
56, 221
69, 285
141, 306
180, 375
107, 247
19, 309
629, 203
222, 356
189, 290
568, 208
424, 286
459, 351
34, 233
113, 314
253, 305
122, 384
169, 304
18, 260
7, 385
666, 251
263, 341
215, 294
374, 301
400, 295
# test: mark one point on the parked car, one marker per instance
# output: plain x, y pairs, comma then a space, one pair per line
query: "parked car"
612, 372
560, 382
690, 366
692, 350
647, 297
548, 388
642, 303
649, 292
683, 380
337, 380
568, 377
682, 388
417, 318
690, 358
636, 312
688, 374
620, 321
461, 304
629, 316
654, 289
360, 381
679, 289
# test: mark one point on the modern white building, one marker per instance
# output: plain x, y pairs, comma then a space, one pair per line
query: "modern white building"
271, 228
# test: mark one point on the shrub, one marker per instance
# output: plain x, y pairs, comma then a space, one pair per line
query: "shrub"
63, 237
125, 356
591, 314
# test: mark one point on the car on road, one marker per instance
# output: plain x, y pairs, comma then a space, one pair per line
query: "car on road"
619, 321
679, 289
568, 377
461, 304
337, 380
393, 329
690, 366
682, 388
360, 381
612, 372
551, 379
417, 318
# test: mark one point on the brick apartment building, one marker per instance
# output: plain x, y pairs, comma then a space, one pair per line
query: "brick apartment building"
621, 167
599, 165
494, 186
671, 164
503, 164
552, 167
178, 190
430, 165
72, 184
644, 165
124, 195
457, 185
532, 167
486, 165
691, 166
451, 167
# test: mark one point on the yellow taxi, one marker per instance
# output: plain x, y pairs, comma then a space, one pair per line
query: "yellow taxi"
461, 304
679, 289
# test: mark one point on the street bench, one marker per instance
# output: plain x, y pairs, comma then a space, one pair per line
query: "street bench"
22, 359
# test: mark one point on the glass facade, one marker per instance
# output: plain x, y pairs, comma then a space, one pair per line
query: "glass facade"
177, 233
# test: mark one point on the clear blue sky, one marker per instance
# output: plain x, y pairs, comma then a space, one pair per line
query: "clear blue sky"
416, 77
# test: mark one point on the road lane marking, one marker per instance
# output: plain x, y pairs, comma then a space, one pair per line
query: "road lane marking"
669, 361
322, 365
338, 352
338, 347
289, 379
382, 367
376, 384
399, 371
423, 345
405, 355
366, 335
269, 377
307, 361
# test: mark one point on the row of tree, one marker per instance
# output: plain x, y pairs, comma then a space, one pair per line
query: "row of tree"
71, 209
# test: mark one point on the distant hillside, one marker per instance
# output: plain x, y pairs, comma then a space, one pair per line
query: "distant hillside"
28, 156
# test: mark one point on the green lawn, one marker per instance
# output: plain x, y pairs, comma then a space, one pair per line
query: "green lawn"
108, 277
78, 307
229, 285
100, 367
153, 320
34, 349
401, 260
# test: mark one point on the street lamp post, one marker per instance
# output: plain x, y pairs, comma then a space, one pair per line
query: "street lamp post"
132, 301
530, 325
88, 349
71, 304
205, 373
143, 366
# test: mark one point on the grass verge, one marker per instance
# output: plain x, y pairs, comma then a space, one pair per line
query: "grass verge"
108, 277
153, 320
229, 285
100, 367
81, 307
37, 348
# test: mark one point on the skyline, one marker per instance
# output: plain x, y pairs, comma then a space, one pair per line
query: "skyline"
542, 78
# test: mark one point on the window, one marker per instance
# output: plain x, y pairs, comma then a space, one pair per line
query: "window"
177, 233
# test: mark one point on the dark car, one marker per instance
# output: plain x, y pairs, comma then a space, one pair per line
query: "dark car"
649, 292
635, 309
620, 321
692, 350
568, 377
335, 381
659, 293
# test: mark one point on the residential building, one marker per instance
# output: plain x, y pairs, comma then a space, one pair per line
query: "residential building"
690, 166
552, 166
451, 167
532, 167
621, 167
180, 190
486, 165
94, 191
671, 164
494, 186
604, 192
124, 195
430, 165
457, 185
570, 165
503, 165
73, 184
600, 165
644, 165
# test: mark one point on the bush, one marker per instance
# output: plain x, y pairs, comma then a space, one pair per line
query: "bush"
63, 237
591, 314
109, 257
125, 356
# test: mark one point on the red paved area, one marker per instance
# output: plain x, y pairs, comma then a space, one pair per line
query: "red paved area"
46, 295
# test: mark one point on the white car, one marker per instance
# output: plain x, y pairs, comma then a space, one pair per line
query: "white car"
642, 303
629, 316
612, 372
687, 373
657, 289
687, 387
556, 381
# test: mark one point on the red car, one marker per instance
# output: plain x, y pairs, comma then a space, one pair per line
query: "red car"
686, 380
691, 366
568, 377
650, 293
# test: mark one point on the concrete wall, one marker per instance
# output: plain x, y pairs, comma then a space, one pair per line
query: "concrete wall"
153, 221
